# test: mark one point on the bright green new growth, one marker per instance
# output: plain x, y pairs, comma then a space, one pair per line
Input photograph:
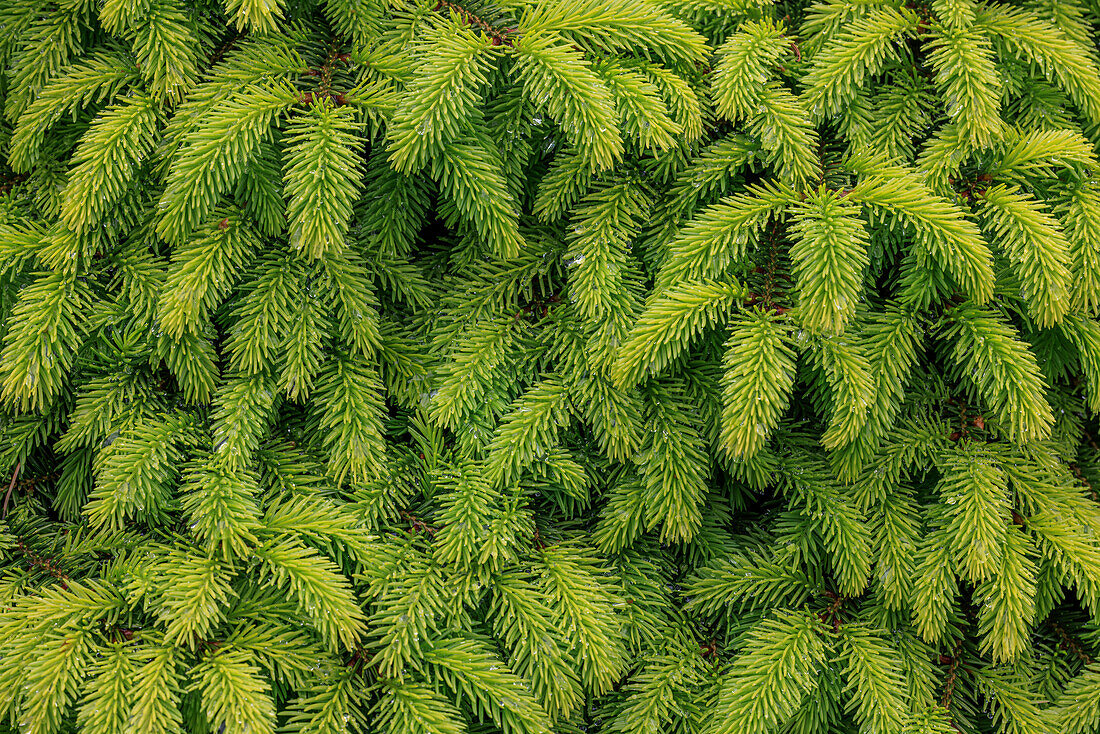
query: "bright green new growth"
549, 366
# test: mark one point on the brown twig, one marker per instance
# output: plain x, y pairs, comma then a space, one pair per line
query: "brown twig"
498, 35
221, 50
1068, 643
952, 663
831, 616
1091, 440
43, 562
7, 182
11, 486
773, 254
770, 289
358, 658
1087, 484
324, 77
418, 524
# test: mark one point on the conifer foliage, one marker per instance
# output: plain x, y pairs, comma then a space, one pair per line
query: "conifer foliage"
531, 366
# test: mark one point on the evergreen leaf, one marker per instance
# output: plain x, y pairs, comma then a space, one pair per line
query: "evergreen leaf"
667, 326
778, 666
1002, 370
320, 178
829, 257
1036, 248
759, 374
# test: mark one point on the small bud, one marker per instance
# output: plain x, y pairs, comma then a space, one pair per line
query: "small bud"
979, 423
307, 98
339, 99
496, 40
223, 224
955, 436
945, 659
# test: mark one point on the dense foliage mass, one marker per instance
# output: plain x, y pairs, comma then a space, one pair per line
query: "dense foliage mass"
626, 366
